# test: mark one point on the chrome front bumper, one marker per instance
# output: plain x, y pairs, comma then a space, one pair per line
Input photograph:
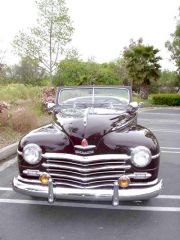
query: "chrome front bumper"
34, 188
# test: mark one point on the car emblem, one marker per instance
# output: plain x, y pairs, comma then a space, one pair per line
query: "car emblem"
84, 148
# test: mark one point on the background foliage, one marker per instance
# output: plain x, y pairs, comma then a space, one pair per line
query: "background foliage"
166, 99
45, 59
174, 45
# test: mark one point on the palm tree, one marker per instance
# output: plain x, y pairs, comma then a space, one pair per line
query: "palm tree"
142, 66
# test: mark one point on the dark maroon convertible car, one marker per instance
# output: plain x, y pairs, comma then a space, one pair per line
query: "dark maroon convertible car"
93, 151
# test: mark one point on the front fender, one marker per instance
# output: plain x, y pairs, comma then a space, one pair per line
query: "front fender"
124, 141
49, 138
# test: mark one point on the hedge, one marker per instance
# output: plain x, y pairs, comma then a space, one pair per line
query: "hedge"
166, 99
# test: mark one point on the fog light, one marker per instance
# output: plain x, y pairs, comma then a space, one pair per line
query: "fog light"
44, 178
124, 181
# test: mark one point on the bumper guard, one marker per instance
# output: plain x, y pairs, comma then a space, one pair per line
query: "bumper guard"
49, 191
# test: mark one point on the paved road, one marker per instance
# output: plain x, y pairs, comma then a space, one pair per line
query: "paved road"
159, 219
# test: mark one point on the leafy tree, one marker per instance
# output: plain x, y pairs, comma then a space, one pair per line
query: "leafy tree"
142, 65
109, 74
73, 71
169, 79
29, 72
5, 74
72, 54
45, 42
70, 72
122, 72
167, 83
92, 73
174, 45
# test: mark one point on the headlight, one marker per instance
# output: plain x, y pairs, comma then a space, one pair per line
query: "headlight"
32, 153
141, 156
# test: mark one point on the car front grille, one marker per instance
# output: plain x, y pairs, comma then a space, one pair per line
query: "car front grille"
97, 171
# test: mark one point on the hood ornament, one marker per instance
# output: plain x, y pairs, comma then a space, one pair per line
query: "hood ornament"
84, 143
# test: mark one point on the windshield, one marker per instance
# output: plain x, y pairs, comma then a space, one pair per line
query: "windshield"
94, 95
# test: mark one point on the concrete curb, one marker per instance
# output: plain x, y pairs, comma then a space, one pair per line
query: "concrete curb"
8, 151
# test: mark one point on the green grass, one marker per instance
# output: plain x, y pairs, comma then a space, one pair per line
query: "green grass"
12, 93
19, 95
147, 103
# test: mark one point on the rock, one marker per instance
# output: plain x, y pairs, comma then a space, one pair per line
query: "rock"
48, 96
3, 106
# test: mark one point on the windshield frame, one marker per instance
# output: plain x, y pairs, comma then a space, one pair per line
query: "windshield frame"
60, 89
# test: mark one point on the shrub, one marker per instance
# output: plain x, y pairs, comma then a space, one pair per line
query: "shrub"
4, 117
23, 120
166, 99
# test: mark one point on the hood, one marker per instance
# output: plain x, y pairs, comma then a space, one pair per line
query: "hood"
92, 124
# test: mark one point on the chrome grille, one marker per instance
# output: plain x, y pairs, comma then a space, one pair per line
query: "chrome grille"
68, 170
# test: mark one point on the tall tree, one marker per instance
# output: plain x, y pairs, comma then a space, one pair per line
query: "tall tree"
142, 65
45, 42
174, 45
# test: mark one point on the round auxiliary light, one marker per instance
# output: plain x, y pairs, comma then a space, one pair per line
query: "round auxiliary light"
32, 153
44, 178
141, 156
124, 181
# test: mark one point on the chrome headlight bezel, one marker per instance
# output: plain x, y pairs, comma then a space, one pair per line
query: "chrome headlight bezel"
32, 153
141, 152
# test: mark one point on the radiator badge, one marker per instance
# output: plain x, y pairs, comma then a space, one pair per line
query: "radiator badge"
84, 148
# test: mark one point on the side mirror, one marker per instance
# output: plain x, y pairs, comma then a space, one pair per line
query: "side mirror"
50, 107
134, 105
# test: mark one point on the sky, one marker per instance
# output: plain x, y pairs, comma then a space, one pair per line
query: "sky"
102, 27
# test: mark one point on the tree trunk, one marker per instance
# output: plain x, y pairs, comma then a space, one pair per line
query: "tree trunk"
50, 52
144, 91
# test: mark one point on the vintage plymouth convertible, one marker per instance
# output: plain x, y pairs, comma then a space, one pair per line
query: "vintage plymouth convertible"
93, 151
